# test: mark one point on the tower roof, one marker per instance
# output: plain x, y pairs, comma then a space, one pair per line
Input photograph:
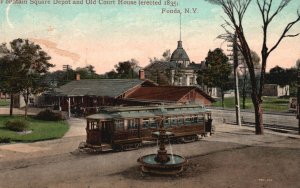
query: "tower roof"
179, 54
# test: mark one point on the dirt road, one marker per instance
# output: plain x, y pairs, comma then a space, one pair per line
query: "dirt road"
233, 157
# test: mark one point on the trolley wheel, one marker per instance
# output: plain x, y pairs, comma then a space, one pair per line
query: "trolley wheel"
188, 139
117, 148
132, 146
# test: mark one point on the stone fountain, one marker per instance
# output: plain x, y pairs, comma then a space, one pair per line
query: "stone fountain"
162, 163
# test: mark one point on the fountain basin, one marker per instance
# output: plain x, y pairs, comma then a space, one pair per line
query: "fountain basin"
172, 167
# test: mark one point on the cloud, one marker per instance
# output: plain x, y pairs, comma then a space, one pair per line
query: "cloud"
53, 46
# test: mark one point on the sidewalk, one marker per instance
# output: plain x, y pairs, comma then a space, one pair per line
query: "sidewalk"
246, 136
17, 111
77, 127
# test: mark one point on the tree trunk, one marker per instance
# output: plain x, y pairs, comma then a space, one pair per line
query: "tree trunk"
222, 96
259, 127
26, 96
244, 92
244, 98
286, 91
11, 104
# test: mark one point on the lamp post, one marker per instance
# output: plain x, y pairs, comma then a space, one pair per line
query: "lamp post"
236, 81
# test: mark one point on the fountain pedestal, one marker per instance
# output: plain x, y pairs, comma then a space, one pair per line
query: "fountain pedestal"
162, 156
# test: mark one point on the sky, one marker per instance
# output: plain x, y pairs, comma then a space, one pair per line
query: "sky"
103, 35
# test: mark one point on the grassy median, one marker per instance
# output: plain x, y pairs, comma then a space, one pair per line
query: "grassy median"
4, 102
271, 104
41, 130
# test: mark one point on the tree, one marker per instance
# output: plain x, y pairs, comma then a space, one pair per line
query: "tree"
217, 71
111, 74
277, 76
282, 77
298, 64
235, 11
166, 57
56, 78
34, 63
91, 69
22, 69
9, 74
87, 72
291, 75
127, 69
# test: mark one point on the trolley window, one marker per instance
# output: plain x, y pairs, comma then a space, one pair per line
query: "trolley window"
187, 120
119, 125
200, 118
153, 123
133, 123
194, 119
173, 121
180, 121
146, 123
167, 122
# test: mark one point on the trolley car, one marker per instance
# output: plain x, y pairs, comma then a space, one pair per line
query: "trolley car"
126, 128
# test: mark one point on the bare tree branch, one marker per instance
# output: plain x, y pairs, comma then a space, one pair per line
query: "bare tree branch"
293, 35
235, 10
284, 33
282, 5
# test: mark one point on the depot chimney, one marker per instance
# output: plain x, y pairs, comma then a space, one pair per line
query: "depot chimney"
77, 76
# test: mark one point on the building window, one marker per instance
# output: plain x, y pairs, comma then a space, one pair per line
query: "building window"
31, 100
192, 81
180, 81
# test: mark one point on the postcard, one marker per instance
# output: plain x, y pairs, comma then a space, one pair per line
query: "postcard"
149, 93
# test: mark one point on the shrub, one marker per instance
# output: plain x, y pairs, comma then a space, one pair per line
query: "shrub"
16, 125
5, 140
49, 115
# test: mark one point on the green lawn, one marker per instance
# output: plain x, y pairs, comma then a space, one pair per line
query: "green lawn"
272, 104
4, 102
41, 130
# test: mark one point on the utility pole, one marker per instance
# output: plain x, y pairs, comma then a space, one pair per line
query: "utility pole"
236, 81
298, 100
67, 68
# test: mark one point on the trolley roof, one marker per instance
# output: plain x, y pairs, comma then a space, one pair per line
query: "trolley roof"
147, 112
